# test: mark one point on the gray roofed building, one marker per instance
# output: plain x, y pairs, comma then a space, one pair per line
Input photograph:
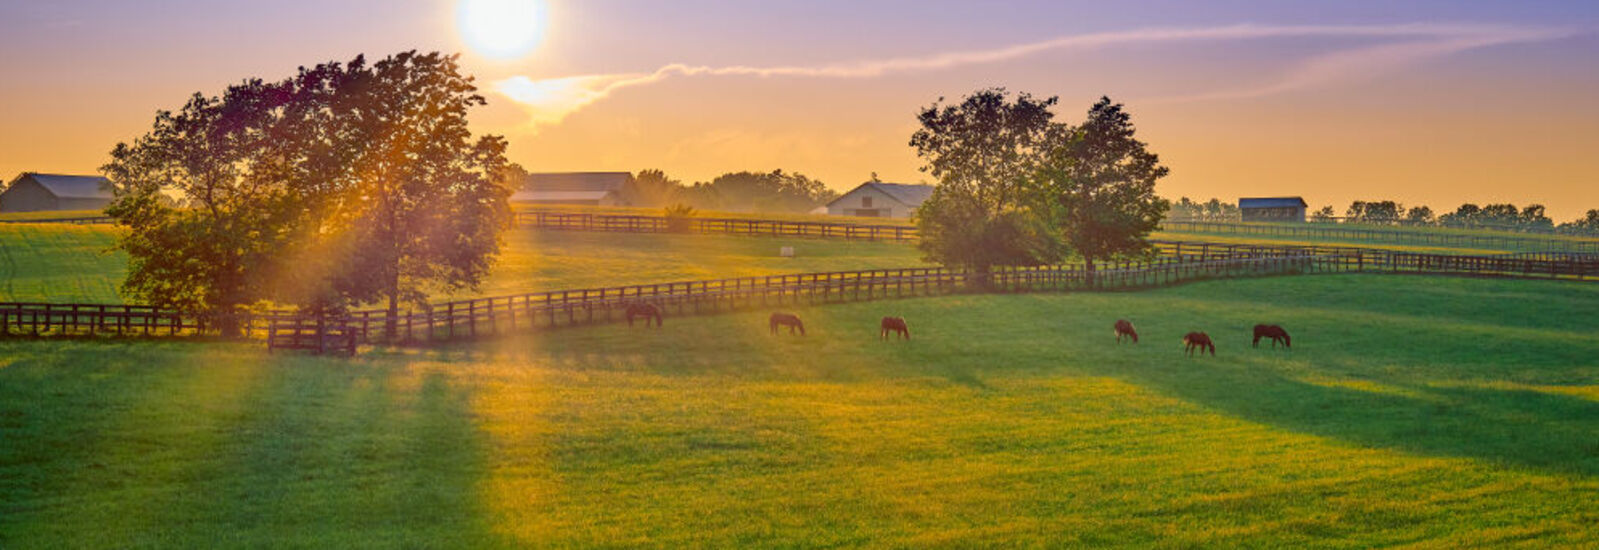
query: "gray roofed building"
34, 192
881, 200
576, 188
1272, 209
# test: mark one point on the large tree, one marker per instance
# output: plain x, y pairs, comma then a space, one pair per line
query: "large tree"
240, 162
981, 151
1096, 187
343, 184
421, 203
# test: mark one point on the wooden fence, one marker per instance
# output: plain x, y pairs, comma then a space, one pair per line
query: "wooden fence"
581, 221
1394, 236
465, 319
91, 220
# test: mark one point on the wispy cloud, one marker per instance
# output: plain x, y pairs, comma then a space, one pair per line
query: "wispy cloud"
551, 100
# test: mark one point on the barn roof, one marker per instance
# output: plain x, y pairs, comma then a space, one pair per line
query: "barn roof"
1272, 202
537, 196
911, 195
70, 187
577, 181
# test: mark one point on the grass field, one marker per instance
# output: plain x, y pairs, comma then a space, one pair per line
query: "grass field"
50, 215
64, 263
1436, 412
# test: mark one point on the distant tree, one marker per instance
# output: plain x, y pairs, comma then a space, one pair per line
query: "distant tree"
1419, 215
1499, 215
1465, 215
1324, 215
1373, 211
1096, 187
1589, 223
1183, 209
773, 191
1217, 211
981, 151
1533, 217
653, 188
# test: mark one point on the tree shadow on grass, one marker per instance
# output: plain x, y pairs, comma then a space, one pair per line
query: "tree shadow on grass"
349, 454
1533, 429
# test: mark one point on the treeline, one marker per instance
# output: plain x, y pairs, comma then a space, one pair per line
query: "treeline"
1213, 210
1532, 217
775, 191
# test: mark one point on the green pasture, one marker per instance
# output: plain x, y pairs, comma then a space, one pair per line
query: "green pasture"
1412, 411
67, 263
50, 215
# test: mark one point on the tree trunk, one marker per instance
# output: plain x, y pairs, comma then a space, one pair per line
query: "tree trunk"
1088, 274
391, 324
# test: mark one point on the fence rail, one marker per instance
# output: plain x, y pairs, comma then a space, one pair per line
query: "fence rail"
89, 220
463, 319
625, 223
1395, 236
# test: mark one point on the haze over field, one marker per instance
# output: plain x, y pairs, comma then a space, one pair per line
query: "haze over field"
1426, 102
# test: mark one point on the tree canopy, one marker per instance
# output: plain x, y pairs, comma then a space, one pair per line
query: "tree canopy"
1017, 188
344, 184
1097, 187
982, 150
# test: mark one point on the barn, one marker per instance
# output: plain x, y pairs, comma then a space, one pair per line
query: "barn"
875, 199
35, 192
1272, 209
576, 188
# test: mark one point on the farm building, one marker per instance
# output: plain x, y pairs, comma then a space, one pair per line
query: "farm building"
1272, 209
576, 188
34, 192
881, 200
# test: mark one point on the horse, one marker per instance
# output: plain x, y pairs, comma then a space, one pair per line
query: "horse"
1199, 341
895, 324
1125, 328
1276, 333
647, 311
790, 320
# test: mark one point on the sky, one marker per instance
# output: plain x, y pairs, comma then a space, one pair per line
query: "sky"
1427, 102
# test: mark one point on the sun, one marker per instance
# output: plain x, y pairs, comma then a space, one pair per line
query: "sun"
501, 29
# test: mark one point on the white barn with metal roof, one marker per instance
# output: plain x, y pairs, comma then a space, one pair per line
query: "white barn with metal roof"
881, 200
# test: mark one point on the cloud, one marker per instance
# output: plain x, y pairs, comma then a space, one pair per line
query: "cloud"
551, 100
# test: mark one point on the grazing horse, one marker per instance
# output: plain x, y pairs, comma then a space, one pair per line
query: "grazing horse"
1125, 328
790, 320
897, 325
1199, 341
1276, 333
647, 311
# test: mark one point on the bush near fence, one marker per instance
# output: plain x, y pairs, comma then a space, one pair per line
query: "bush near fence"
1178, 262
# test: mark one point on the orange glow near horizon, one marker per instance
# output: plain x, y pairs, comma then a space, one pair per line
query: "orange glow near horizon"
1477, 106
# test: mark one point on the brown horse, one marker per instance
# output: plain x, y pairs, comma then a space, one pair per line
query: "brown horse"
647, 311
897, 325
1199, 341
789, 320
1276, 333
1125, 328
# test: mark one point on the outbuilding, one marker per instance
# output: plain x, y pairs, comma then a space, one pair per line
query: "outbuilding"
576, 188
875, 199
1272, 209
35, 192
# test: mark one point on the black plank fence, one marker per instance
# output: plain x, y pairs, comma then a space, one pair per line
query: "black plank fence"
1392, 236
465, 319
